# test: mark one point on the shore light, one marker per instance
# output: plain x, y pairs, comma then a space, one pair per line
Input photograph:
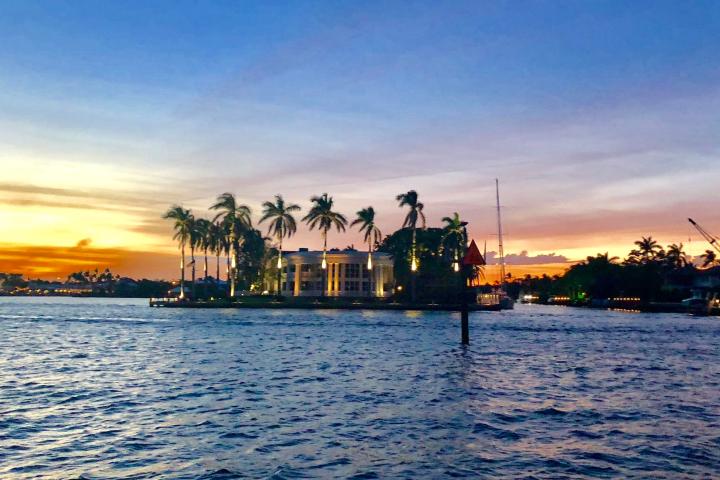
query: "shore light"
369, 264
323, 264
413, 264
279, 264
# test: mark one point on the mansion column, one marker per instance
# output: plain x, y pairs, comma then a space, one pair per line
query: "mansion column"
296, 289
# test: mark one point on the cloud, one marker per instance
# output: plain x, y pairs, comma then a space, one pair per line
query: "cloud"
523, 258
107, 199
85, 242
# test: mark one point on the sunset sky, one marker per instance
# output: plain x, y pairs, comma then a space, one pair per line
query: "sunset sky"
601, 120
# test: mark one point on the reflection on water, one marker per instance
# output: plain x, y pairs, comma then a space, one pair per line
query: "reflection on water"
113, 389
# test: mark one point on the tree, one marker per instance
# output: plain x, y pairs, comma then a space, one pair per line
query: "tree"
227, 249
195, 242
366, 220
204, 241
675, 256
410, 199
648, 248
236, 219
596, 277
435, 281
217, 245
322, 216
282, 224
183, 227
454, 237
253, 249
602, 259
634, 258
76, 277
709, 258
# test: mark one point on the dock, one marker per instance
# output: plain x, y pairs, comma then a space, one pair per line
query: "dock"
314, 304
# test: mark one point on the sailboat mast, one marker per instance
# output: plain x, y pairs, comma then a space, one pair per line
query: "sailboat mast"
501, 252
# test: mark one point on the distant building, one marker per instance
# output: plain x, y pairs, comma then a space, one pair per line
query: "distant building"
346, 274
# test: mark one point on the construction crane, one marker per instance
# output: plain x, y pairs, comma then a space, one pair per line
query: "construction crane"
713, 240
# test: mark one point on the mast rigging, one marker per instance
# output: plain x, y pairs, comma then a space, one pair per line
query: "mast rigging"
501, 252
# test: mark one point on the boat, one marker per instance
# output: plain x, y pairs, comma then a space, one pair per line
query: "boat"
528, 298
700, 304
499, 295
506, 302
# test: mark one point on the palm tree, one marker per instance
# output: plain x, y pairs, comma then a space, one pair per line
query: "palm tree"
217, 244
252, 254
282, 225
322, 216
601, 259
195, 243
227, 248
183, 228
202, 227
236, 219
648, 248
709, 258
410, 199
675, 256
366, 220
454, 237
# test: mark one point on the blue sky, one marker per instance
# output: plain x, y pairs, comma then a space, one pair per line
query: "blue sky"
600, 118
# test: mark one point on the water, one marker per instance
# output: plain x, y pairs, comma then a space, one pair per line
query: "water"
97, 389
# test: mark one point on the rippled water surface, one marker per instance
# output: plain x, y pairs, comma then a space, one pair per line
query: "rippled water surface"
96, 389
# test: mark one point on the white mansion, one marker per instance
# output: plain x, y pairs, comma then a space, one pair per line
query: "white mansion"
346, 274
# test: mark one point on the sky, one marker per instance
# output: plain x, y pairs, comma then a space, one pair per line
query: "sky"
600, 119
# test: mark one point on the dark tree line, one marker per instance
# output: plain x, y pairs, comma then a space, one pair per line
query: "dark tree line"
649, 271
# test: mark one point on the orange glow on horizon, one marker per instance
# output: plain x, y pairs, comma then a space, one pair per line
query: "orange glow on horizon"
50, 262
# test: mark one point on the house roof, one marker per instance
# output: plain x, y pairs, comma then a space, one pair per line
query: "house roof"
344, 256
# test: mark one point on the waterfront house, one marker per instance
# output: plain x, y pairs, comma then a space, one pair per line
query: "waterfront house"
346, 274
708, 279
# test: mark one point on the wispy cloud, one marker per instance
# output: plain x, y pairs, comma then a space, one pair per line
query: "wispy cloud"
524, 258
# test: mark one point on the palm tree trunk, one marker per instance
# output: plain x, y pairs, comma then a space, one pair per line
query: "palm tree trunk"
234, 268
413, 260
192, 258
370, 270
217, 269
279, 270
205, 276
182, 271
324, 272
227, 273
233, 263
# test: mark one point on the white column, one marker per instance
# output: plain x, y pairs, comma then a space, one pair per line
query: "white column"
341, 278
378, 281
296, 291
337, 279
328, 283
